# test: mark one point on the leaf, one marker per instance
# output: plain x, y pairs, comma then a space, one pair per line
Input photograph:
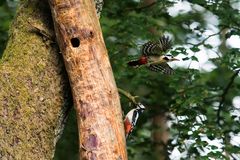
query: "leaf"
208, 46
179, 50
195, 49
194, 58
186, 58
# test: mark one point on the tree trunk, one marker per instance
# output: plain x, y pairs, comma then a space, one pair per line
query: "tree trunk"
101, 133
34, 92
160, 136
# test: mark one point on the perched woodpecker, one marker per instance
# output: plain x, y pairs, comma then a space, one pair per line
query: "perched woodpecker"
131, 119
153, 57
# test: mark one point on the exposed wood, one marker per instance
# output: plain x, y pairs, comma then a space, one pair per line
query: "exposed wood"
96, 100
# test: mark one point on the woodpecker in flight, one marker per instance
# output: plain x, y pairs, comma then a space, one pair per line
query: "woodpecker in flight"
153, 57
131, 119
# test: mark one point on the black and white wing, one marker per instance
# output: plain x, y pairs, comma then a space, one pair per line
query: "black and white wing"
150, 48
163, 67
164, 43
157, 47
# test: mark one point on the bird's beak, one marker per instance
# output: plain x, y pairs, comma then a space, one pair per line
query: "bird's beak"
175, 59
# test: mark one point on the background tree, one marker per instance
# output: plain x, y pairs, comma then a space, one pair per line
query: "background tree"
34, 91
200, 101
32, 72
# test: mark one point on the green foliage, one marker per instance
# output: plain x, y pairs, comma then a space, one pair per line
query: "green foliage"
7, 11
67, 146
199, 102
191, 96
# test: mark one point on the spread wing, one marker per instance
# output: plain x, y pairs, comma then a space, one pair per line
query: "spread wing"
156, 47
163, 67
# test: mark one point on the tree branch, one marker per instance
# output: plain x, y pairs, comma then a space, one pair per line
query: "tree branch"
143, 6
128, 95
202, 42
223, 96
205, 39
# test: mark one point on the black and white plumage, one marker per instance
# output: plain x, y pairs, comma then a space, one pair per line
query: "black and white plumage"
164, 68
156, 47
153, 56
131, 118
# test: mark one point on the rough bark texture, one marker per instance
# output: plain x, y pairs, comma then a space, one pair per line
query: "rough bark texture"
34, 93
93, 87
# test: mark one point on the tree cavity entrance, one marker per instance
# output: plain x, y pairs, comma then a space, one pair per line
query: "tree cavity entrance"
75, 42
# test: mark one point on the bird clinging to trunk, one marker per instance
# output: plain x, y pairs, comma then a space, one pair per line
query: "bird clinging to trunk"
131, 118
153, 56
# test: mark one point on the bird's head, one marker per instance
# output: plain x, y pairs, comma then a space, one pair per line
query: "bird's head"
140, 107
168, 58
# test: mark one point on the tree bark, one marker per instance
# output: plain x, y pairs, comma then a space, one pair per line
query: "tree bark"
34, 91
101, 133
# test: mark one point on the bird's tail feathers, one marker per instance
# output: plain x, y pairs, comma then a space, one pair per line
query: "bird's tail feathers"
134, 63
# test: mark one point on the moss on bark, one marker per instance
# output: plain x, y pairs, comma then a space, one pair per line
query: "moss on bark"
34, 93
